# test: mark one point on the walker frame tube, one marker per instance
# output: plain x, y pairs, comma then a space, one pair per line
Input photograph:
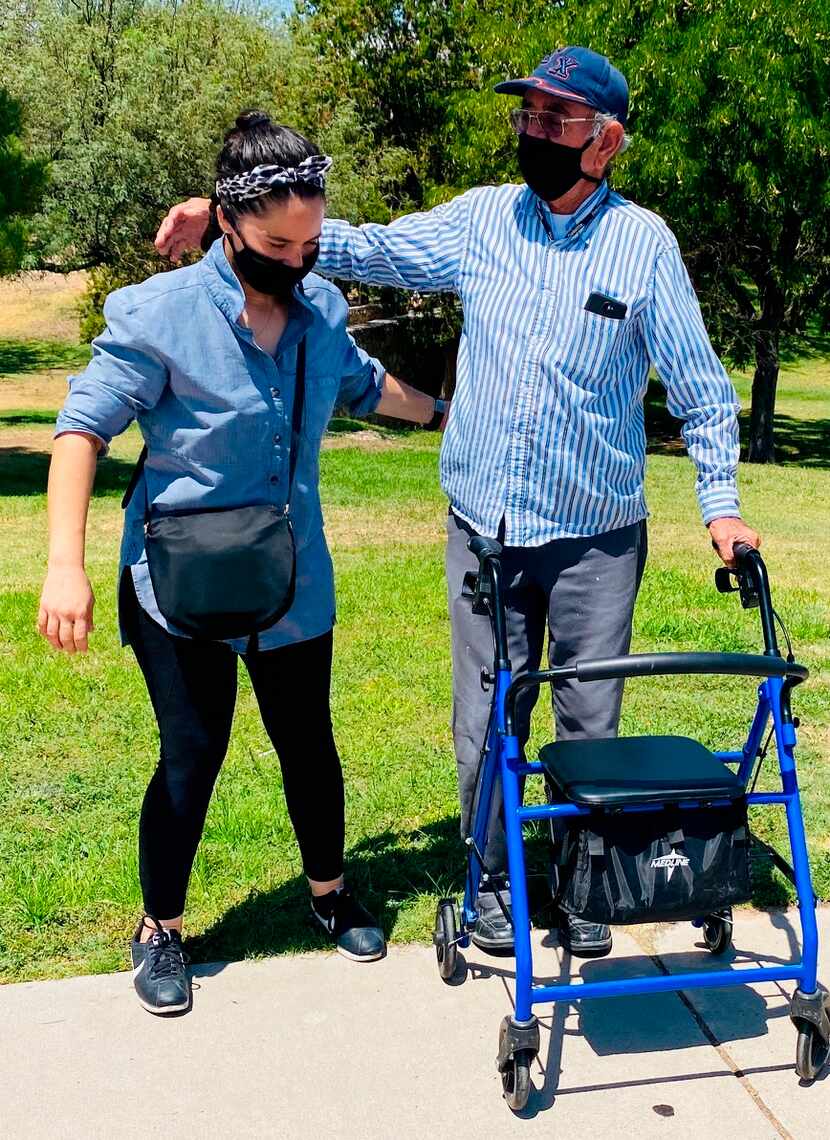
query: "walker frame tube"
502, 758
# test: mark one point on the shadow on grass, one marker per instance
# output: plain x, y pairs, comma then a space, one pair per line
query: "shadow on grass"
802, 443
386, 870
24, 472
23, 419
19, 356
385, 426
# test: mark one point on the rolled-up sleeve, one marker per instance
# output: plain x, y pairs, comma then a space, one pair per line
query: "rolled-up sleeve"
124, 378
698, 390
361, 379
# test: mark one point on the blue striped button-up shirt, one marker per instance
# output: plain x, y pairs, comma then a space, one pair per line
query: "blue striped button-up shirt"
546, 428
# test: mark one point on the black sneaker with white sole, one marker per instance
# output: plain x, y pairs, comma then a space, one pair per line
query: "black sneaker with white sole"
493, 931
159, 969
582, 938
355, 932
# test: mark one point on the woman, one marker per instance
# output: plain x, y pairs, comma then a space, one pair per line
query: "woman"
207, 360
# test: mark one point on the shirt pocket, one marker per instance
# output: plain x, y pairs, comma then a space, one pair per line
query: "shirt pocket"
592, 347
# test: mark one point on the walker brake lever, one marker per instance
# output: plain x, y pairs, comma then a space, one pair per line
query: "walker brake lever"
745, 586
477, 586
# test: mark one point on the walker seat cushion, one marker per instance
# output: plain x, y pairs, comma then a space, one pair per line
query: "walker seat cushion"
637, 769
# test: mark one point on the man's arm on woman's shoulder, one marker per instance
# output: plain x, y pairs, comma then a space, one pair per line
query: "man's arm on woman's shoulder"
423, 251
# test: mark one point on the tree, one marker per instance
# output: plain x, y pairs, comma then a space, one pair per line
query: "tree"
21, 185
732, 110
129, 101
731, 125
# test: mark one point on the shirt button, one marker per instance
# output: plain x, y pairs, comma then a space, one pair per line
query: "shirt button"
275, 392
274, 479
277, 438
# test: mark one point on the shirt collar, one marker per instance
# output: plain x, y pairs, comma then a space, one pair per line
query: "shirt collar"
229, 297
581, 217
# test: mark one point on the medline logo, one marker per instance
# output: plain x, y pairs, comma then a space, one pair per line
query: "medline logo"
675, 859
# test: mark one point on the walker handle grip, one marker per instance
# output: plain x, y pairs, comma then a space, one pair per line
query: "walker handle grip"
753, 583
484, 548
743, 552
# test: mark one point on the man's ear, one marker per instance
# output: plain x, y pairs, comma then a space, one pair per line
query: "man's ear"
604, 148
612, 137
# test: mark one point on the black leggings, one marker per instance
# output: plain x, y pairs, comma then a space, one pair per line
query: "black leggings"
192, 687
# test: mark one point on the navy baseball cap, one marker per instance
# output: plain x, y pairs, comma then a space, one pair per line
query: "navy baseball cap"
580, 74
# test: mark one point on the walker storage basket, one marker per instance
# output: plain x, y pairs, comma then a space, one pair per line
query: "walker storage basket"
623, 867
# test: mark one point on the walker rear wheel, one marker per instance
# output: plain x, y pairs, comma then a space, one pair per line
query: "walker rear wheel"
811, 1052
444, 938
717, 931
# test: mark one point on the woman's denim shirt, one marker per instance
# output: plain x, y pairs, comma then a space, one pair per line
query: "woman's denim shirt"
215, 413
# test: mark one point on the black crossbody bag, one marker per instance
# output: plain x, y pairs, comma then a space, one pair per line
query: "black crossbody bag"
227, 572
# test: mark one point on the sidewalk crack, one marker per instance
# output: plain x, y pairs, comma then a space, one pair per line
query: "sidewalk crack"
725, 1055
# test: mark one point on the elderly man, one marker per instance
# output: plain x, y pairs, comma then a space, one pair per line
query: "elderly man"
570, 294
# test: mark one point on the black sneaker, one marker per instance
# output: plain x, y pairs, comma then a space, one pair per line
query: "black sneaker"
493, 931
355, 932
583, 939
159, 973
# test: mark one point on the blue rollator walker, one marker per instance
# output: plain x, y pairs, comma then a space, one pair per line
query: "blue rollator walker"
597, 786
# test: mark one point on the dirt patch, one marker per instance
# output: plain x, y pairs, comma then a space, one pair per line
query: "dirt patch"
27, 438
349, 528
365, 440
40, 391
41, 306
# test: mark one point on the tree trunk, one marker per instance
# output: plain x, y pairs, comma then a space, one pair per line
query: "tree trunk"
767, 343
761, 422
771, 280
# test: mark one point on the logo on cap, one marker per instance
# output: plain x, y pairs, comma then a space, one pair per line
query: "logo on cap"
559, 65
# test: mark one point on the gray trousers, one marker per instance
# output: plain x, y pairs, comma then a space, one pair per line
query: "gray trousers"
583, 591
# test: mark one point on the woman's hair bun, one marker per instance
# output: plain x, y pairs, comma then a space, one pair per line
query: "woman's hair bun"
248, 119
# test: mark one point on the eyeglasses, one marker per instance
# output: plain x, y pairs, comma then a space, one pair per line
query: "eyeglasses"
549, 123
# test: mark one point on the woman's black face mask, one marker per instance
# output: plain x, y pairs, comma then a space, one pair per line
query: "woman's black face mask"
268, 274
551, 169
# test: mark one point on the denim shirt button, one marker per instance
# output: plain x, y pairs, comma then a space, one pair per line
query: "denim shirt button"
274, 479
275, 393
277, 438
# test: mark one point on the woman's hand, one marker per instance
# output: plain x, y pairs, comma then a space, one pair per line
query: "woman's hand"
65, 614
183, 227
66, 604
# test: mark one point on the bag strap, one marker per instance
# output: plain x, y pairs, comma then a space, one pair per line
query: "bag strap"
297, 415
296, 427
134, 478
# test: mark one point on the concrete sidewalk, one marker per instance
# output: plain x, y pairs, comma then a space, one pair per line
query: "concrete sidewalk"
315, 1046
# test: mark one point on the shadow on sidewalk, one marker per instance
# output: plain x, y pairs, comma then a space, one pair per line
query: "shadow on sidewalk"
645, 1023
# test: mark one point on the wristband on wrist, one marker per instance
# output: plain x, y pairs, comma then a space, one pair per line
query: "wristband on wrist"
437, 417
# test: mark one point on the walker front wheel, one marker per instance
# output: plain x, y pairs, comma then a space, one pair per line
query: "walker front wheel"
518, 1046
515, 1079
445, 938
717, 931
811, 1052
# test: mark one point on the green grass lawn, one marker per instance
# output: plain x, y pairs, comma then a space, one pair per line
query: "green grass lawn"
77, 737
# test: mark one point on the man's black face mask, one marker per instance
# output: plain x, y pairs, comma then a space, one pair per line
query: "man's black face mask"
268, 274
551, 169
